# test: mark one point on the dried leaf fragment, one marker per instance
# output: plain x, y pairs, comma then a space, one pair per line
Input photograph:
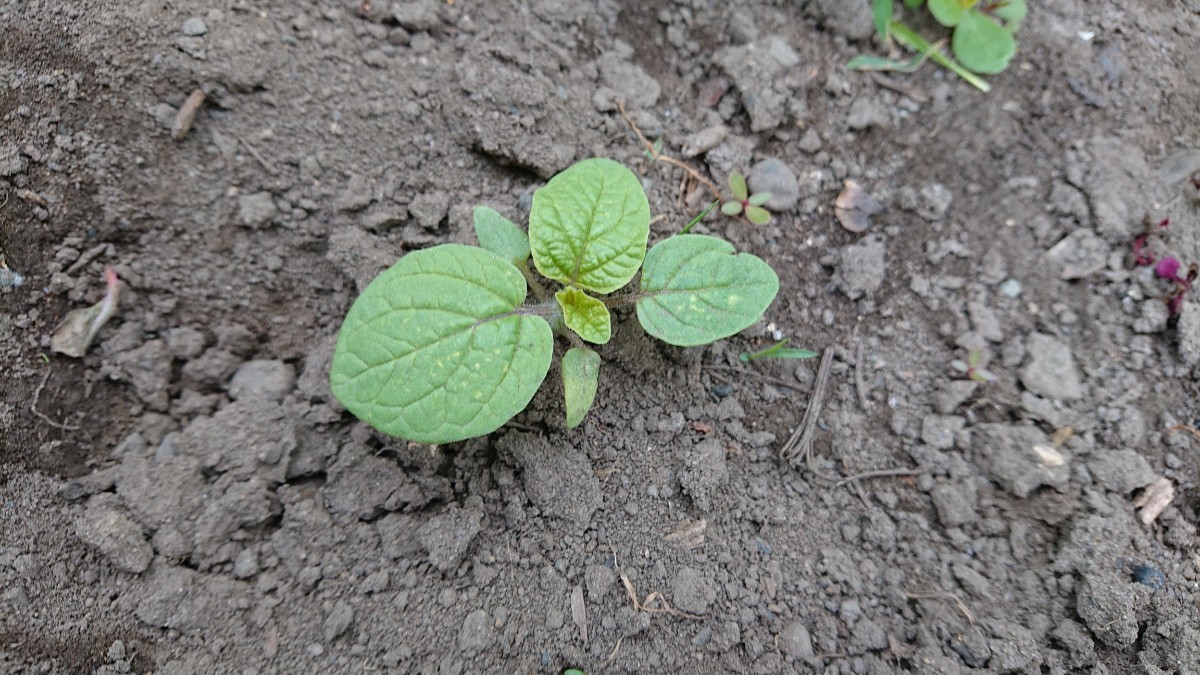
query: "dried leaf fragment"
579, 612
1158, 496
689, 534
74, 334
854, 207
187, 114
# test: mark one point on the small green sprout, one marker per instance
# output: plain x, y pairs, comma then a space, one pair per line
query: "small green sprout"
970, 368
983, 39
692, 223
744, 202
443, 346
779, 350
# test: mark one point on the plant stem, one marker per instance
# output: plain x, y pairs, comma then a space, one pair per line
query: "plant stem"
909, 38
539, 291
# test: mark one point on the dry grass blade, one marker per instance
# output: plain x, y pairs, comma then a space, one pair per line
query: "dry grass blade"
689, 534
187, 114
962, 607
655, 603
579, 612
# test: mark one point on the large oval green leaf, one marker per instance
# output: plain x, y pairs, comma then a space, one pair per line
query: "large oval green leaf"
435, 349
589, 225
696, 289
982, 45
949, 12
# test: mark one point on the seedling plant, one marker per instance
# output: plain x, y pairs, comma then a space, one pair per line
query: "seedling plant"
1168, 268
444, 346
779, 350
744, 202
971, 369
983, 38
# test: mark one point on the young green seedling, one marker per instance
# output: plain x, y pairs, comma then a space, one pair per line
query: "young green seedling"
970, 368
779, 350
982, 41
443, 345
744, 202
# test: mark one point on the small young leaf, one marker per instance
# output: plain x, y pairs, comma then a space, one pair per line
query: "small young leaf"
501, 236
882, 63
881, 13
948, 12
758, 215
731, 208
585, 315
737, 185
982, 45
589, 226
759, 198
1012, 12
779, 350
700, 217
435, 350
696, 290
580, 374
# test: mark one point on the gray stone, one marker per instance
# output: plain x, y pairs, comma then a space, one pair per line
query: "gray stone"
449, 535
257, 209
935, 201
692, 592
631, 83
851, 20
116, 537
1109, 606
1121, 471
795, 641
149, 369
12, 162
476, 632
338, 621
430, 208
194, 27
1081, 253
214, 366
953, 394
704, 472
1051, 370
245, 565
772, 175
1009, 455
185, 342
862, 268
867, 112
1188, 328
955, 503
941, 430
760, 79
984, 319
417, 15
357, 195
263, 380
782, 52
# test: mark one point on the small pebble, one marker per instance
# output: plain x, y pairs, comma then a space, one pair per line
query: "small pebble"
1010, 288
1148, 575
194, 27
722, 390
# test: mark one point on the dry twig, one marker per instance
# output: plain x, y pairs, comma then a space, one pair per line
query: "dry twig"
667, 159
655, 598
800, 442
962, 607
882, 473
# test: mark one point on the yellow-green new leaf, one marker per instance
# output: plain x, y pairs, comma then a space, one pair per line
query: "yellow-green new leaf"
580, 374
695, 289
436, 350
585, 315
589, 225
501, 236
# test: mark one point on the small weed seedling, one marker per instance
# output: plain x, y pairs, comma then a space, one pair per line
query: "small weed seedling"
1166, 268
982, 41
443, 346
970, 368
744, 202
779, 350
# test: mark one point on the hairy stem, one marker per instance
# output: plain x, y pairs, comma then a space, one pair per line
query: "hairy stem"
909, 38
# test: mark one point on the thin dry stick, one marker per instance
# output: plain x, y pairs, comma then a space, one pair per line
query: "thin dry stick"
1183, 427
655, 597
667, 159
37, 394
882, 473
800, 443
859, 385
962, 607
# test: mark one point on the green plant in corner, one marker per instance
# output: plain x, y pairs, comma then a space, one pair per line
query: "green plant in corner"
443, 346
983, 39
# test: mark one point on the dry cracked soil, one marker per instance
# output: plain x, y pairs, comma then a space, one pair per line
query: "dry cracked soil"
189, 498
